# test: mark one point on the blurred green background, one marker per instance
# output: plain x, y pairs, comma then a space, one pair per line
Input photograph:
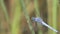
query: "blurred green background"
15, 16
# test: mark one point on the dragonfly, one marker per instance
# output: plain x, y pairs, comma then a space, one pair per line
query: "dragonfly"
40, 20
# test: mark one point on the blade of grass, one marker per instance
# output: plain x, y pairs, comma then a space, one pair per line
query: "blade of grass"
4, 9
58, 16
54, 14
37, 15
49, 3
16, 20
27, 17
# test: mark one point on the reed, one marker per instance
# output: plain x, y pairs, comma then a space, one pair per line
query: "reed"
27, 17
37, 13
49, 4
4, 9
16, 24
58, 16
52, 14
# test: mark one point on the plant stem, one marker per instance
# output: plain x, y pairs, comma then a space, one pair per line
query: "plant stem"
4, 9
17, 18
27, 17
37, 15
54, 14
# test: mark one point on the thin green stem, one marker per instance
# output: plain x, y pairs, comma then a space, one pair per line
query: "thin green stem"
37, 14
4, 9
49, 3
54, 14
27, 17
17, 18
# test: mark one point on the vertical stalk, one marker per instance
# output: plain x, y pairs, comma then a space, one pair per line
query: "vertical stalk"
27, 17
37, 15
49, 3
4, 9
16, 20
54, 14
58, 15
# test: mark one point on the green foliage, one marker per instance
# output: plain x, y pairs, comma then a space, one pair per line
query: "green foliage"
16, 20
27, 17
37, 13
